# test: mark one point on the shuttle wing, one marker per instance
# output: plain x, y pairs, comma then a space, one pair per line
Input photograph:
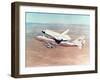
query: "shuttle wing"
64, 35
53, 34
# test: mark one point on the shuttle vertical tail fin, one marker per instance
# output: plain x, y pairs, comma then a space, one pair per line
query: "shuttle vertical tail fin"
65, 32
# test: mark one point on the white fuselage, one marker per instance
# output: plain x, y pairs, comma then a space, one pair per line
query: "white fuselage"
48, 40
53, 38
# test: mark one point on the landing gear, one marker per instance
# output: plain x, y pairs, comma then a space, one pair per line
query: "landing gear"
49, 45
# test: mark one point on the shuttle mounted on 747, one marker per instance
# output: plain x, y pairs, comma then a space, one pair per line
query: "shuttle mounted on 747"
53, 39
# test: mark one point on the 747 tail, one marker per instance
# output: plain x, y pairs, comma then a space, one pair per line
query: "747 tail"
80, 41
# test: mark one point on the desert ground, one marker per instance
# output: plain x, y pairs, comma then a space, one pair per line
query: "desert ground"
39, 55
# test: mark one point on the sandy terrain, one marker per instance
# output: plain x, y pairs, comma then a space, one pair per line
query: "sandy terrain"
38, 55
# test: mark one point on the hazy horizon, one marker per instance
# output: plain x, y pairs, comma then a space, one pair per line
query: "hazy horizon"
52, 18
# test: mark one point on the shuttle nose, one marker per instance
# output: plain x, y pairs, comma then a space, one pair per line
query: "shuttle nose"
43, 32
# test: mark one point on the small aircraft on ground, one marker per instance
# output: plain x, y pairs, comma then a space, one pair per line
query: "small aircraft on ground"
53, 39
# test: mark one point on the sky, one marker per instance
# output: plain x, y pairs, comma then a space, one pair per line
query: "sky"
37, 17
